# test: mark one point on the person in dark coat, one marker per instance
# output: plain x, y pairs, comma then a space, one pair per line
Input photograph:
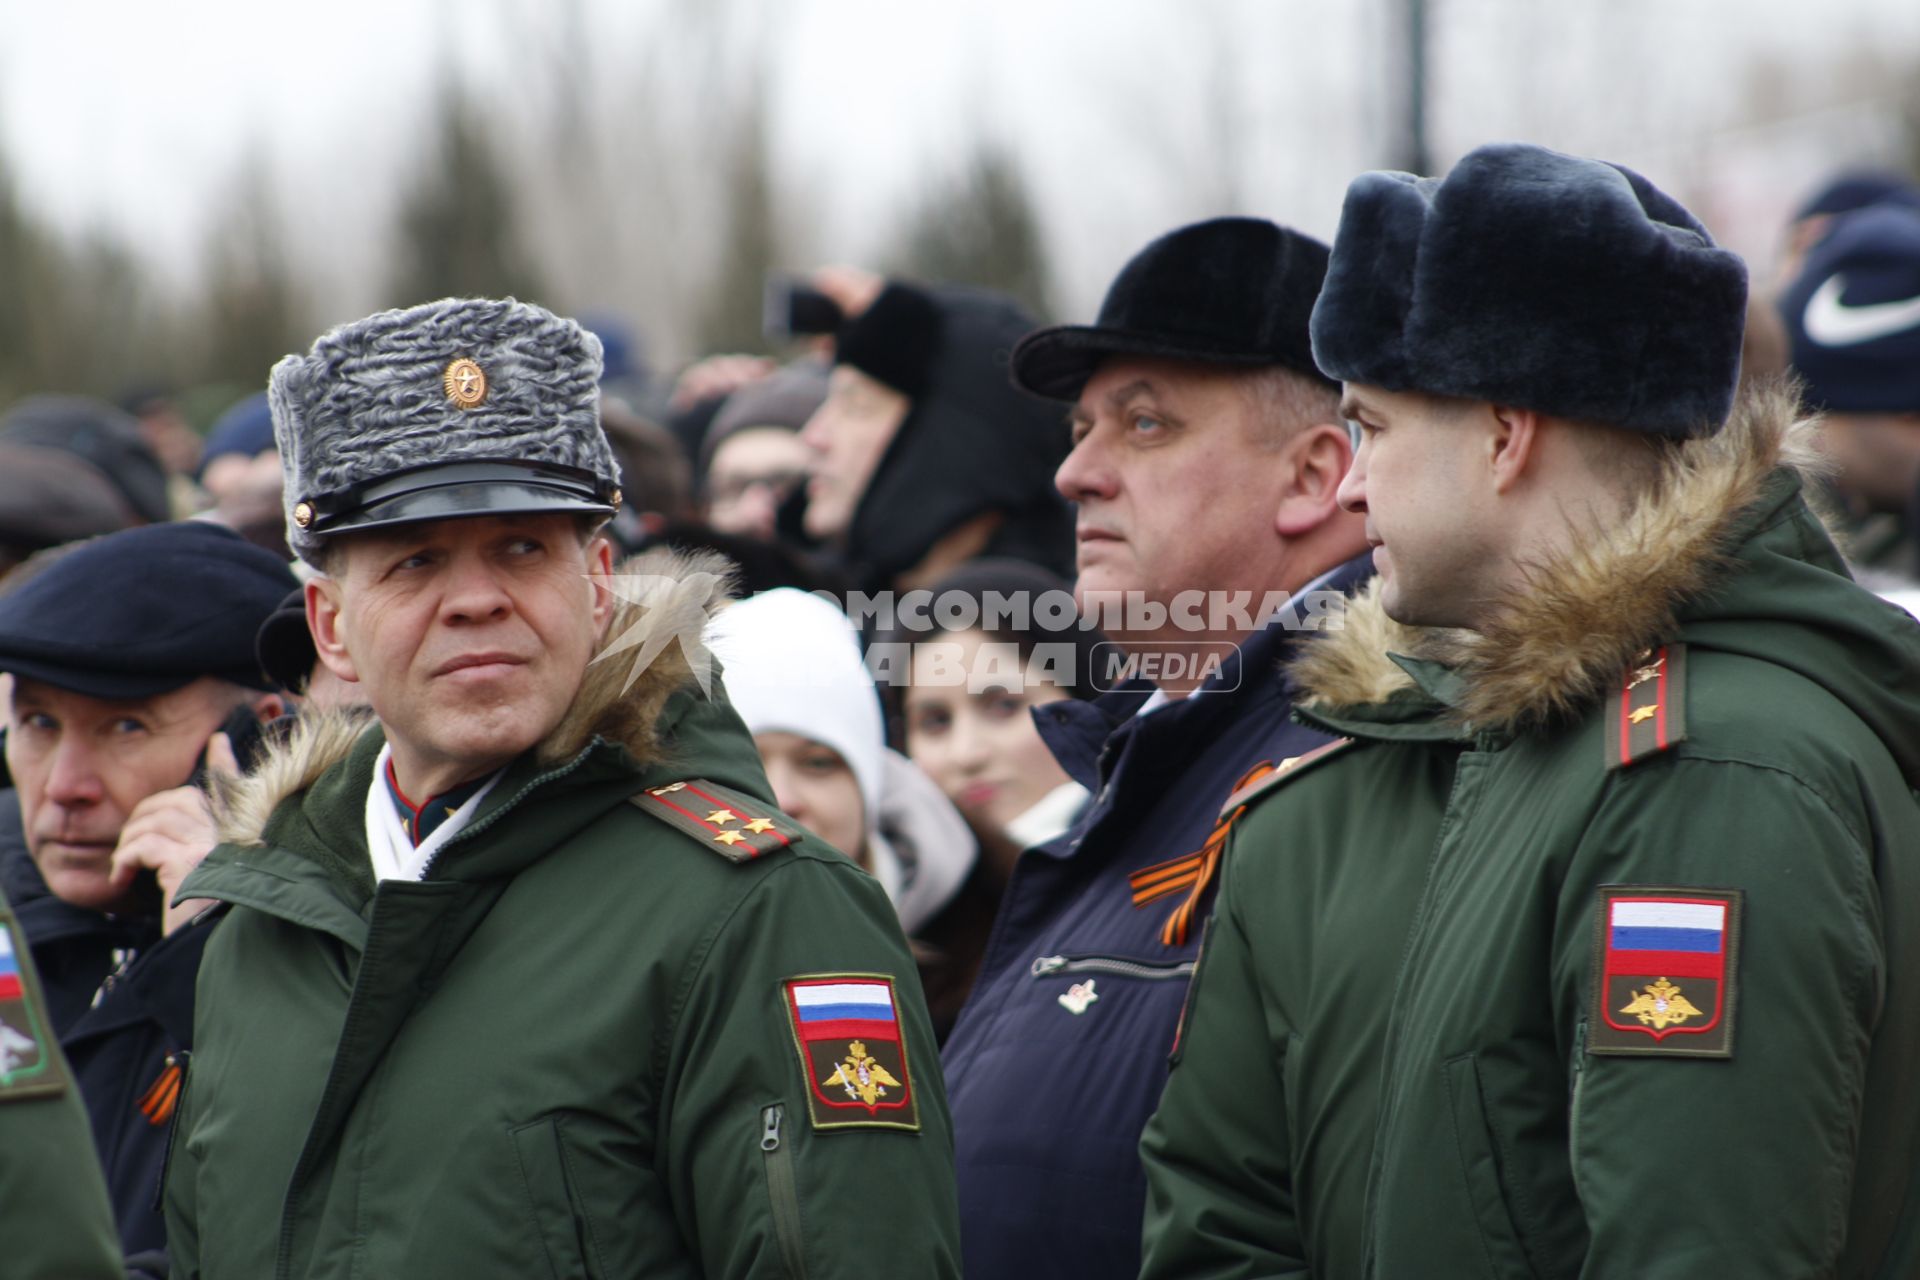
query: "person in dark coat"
1207, 455
126, 656
924, 456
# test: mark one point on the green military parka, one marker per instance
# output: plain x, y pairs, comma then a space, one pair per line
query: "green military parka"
567, 1051
55, 1222
1426, 990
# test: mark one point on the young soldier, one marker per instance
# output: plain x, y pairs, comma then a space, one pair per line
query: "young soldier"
1635, 938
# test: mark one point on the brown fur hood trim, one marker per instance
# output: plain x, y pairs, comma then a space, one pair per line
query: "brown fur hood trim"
603, 707
1581, 617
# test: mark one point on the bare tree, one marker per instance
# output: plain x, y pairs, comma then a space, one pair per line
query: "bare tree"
978, 226
255, 306
459, 232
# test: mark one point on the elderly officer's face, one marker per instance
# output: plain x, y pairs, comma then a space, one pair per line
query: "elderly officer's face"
1176, 479
82, 763
470, 636
1422, 481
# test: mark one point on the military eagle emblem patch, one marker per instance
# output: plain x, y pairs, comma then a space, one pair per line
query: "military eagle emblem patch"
1665, 971
853, 1052
29, 1068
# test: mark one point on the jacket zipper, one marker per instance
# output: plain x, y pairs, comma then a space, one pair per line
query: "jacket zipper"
1047, 966
474, 829
780, 1189
184, 1060
1573, 1102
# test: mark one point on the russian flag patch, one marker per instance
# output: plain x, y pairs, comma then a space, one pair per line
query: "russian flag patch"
853, 1051
29, 1068
1665, 971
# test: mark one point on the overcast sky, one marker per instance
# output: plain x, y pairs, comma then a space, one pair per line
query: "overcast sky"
135, 116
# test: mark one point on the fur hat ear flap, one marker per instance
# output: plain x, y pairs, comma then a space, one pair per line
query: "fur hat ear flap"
1358, 321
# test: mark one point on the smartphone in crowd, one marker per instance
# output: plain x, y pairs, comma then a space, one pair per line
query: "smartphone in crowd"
792, 308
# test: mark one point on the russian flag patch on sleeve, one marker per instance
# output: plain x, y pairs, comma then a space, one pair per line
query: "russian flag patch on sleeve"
29, 1066
853, 1051
1665, 971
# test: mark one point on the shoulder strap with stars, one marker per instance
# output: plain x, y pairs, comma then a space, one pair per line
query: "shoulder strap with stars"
735, 826
1285, 771
1647, 714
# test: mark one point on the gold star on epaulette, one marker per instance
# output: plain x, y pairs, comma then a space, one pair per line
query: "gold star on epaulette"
729, 838
719, 816
758, 825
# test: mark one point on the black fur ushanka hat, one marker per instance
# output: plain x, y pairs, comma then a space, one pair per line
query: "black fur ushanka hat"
1530, 278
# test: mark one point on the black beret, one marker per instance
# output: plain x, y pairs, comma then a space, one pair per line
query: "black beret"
144, 611
1853, 314
1531, 278
1231, 291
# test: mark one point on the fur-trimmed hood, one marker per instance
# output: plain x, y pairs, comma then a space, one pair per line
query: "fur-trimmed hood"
1726, 538
605, 707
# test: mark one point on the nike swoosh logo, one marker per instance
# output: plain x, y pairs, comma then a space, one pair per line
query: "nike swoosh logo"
1832, 324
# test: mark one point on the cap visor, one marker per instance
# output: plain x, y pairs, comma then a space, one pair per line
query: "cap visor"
1057, 362
458, 501
117, 686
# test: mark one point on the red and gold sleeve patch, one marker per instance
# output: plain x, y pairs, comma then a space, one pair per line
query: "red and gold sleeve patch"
853, 1051
735, 826
30, 1064
1665, 969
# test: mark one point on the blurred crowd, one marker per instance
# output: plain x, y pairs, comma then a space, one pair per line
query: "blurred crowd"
887, 455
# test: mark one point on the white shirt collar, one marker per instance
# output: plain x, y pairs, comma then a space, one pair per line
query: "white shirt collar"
392, 850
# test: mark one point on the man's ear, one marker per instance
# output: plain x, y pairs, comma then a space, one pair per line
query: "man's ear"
599, 571
267, 707
1513, 442
1316, 460
324, 603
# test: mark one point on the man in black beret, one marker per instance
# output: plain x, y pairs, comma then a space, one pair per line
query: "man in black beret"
1647, 754
1207, 451
126, 658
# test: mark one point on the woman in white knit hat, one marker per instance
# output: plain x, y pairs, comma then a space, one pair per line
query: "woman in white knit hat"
791, 666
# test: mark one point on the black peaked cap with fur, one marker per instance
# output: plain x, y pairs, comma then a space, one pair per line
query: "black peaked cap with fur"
1530, 278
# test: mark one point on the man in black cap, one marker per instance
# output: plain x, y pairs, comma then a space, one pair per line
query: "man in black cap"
127, 657
1207, 452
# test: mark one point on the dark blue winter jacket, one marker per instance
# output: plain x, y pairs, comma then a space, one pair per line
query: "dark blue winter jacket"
1060, 1053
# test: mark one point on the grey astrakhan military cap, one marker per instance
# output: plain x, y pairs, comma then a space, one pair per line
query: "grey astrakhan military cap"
463, 407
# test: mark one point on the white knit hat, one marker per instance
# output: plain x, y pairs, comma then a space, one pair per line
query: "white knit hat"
791, 664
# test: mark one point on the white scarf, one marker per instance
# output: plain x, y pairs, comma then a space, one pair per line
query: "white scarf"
391, 847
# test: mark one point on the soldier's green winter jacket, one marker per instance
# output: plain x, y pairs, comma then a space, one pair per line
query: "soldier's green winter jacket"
1420, 1064
55, 1222
566, 1052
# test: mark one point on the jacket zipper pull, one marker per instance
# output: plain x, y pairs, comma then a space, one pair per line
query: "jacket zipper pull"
1048, 964
770, 1135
